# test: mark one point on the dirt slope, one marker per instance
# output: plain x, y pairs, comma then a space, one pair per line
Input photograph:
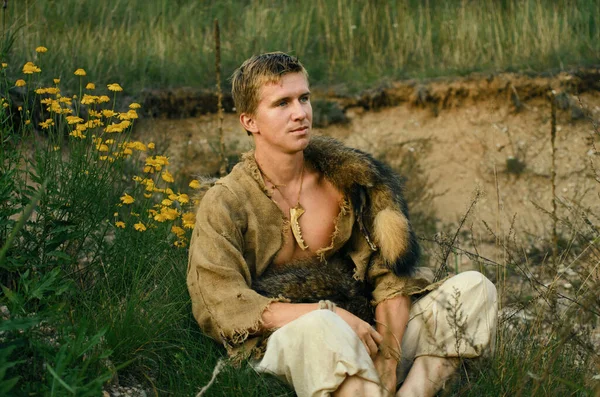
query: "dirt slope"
491, 135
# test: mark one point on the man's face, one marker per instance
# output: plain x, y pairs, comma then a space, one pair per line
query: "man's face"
283, 117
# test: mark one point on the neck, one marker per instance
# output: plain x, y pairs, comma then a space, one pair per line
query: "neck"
282, 168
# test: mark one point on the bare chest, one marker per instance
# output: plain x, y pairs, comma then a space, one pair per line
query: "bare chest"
321, 202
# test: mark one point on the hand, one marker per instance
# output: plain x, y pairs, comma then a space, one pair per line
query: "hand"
386, 368
367, 334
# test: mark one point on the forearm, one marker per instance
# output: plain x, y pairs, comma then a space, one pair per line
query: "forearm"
278, 314
391, 317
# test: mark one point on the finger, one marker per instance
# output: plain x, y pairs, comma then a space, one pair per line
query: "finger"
376, 336
371, 346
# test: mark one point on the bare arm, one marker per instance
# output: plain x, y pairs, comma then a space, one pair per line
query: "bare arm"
278, 314
391, 316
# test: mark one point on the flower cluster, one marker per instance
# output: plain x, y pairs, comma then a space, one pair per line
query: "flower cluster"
92, 122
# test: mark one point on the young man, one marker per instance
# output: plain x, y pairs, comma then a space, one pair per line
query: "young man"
303, 259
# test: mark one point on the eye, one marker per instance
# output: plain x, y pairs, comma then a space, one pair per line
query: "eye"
282, 103
305, 99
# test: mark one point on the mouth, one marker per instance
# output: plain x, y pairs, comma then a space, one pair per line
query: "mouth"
300, 130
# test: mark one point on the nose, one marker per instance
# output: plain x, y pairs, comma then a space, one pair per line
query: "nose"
300, 112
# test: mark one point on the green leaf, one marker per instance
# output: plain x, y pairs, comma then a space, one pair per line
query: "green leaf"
7, 384
46, 284
59, 379
12, 296
19, 324
26, 214
60, 255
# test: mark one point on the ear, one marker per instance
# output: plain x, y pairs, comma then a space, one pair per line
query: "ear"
249, 123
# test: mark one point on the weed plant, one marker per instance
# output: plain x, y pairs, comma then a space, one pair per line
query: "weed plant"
165, 43
93, 233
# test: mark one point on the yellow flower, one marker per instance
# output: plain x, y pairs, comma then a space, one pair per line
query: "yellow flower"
89, 99
127, 199
127, 152
149, 184
108, 113
56, 81
104, 148
114, 128
77, 134
188, 219
157, 162
139, 227
80, 72
132, 114
166, 202
93, 113
120, 224
103, 98
4, 65
46, 124
179, 244
30, 68
56, 148
135, 105
90, 86
194, 184
147, 195
27, 122
20, 108
41, 49
167, 177
168, 191
114, 87
123, 116
166, 213
5, 105
178, 231
20, 83
137, 145
151, 145
183, 198
73, 119
40, 91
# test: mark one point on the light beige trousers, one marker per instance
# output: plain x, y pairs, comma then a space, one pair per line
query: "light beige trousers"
316, 352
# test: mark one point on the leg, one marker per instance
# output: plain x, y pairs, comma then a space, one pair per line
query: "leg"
457, 320
317, 353
427, 375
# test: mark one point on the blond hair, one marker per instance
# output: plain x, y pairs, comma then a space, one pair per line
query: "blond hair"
258, 71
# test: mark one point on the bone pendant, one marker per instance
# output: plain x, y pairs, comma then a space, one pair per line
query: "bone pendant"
295, 213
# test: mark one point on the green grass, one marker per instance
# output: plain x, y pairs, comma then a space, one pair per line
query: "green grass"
348, 43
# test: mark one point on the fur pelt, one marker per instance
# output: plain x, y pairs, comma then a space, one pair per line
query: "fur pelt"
376, 192
310, 280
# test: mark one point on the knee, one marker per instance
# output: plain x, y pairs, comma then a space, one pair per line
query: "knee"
477, 282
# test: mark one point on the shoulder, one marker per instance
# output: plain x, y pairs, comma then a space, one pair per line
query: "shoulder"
228, 189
